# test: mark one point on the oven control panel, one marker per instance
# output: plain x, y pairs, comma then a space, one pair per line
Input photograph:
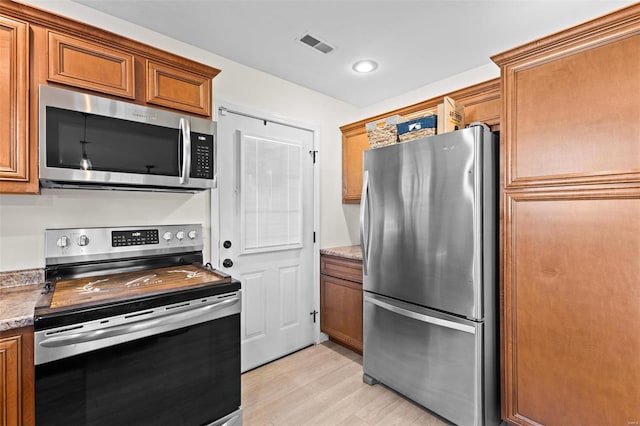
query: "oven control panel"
134, 238
88, 244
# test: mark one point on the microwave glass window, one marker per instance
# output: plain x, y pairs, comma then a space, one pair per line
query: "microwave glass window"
76, 140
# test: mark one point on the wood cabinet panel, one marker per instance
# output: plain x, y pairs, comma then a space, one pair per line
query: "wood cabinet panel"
10, 381
341, 267
354, 144
571, 289
569, 115
570, 225
341, 310
90, 66
16, 377
178, 89
17, 158
481, 102
341, 300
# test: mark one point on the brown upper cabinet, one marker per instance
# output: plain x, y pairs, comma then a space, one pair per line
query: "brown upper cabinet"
570, 225
40, 48
481, 103
178, 89
79, 63
17, 159
572, 107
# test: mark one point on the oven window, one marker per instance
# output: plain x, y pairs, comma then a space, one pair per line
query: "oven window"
75, 139
189, 376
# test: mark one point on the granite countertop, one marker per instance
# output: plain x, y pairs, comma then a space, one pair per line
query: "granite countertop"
350, 252
19, 292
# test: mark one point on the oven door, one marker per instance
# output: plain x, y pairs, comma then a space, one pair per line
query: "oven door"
89, 140
185, 372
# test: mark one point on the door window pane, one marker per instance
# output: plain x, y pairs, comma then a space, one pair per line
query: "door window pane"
271, 198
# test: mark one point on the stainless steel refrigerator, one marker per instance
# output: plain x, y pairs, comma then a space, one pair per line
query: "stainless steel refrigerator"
428, 231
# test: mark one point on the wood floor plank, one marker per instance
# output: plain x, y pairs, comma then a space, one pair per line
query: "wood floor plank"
322, 386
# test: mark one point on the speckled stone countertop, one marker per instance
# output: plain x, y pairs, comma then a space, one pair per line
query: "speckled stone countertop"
350, 252
19, 292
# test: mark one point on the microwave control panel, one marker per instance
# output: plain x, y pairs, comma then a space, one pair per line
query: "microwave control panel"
201, 156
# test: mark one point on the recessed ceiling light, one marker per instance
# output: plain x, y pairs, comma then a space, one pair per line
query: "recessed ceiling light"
365, 66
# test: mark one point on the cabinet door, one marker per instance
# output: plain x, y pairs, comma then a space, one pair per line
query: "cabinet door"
17, 378
572, 115
178, 89
10, 407
15, 154
79, 63
571, 323
341, 310
354, 143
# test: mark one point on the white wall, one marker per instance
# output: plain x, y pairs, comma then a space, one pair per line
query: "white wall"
23, 218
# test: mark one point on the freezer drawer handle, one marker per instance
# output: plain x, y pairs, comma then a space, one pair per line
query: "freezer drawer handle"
420, 317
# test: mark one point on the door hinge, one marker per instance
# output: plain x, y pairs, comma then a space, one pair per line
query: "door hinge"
314, 237
314, 313
313, 154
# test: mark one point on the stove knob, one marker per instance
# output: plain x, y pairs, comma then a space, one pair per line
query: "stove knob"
167, 236
180, 235
83, 240
193, 235
63, 241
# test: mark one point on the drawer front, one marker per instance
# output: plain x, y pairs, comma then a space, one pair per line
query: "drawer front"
90, 66
341, 267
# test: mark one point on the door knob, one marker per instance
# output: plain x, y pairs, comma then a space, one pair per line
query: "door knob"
227, 263
226, 244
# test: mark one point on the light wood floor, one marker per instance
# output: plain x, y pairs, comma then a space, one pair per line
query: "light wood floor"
322, 385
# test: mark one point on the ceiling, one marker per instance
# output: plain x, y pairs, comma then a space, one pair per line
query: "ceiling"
414, 42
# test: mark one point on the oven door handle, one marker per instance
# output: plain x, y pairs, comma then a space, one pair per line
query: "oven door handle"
168, 321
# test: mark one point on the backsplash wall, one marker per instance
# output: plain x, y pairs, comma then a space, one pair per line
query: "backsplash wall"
24, 218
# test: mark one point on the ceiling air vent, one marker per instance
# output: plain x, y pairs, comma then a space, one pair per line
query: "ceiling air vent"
311, 41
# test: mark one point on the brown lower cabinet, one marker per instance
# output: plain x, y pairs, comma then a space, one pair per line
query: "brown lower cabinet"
341, 300
17, 377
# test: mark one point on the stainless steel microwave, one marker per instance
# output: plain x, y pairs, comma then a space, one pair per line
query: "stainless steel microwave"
89, 141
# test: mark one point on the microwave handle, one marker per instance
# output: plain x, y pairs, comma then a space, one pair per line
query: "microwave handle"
185, 128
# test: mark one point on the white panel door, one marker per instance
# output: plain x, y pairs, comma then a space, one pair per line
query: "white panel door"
266, 232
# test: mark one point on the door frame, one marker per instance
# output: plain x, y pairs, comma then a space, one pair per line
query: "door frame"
215, 198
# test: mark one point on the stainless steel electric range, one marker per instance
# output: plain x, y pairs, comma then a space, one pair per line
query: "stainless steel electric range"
132, 329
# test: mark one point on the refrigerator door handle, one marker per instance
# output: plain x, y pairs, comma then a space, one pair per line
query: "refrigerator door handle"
420, 317
363, 210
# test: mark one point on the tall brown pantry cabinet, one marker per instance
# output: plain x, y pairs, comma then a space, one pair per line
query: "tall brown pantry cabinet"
570, 155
